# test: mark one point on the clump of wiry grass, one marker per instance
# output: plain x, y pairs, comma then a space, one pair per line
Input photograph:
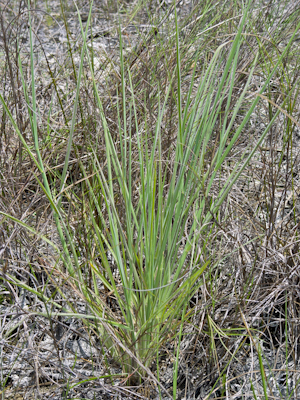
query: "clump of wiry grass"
155, 198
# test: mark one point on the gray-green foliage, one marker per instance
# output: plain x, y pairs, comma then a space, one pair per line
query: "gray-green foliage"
143, 259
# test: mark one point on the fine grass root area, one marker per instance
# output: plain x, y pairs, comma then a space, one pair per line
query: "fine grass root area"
149, 203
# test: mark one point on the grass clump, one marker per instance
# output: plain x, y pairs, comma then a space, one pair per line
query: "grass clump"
142, 178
